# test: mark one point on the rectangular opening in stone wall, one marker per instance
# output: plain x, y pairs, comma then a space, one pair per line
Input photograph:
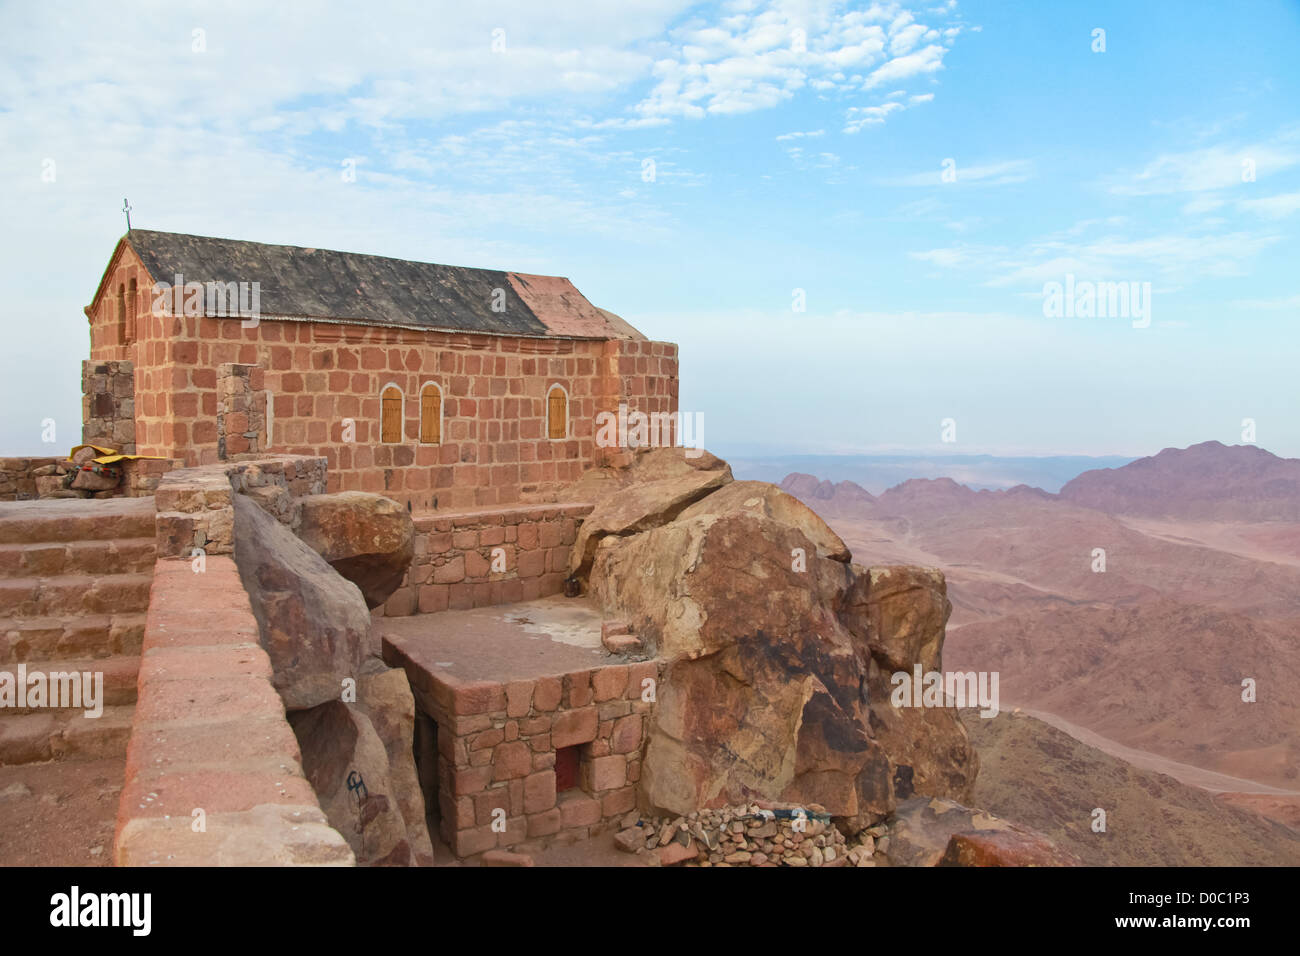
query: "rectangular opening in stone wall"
425, 744
566, 768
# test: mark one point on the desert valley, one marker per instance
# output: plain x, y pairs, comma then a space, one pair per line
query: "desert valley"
1133, 610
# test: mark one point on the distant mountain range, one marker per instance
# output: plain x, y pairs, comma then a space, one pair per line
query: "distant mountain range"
1133, 603
875, 473
1209, 482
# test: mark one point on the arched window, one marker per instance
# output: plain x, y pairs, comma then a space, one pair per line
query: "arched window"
132, 311
557, 413
430, 414
121, 315
390, 432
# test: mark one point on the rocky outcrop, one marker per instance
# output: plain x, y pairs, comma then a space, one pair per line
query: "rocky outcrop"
642, 465
369, 539
384, 696
925, 831
314, 624
1014, 847
347, 765
762, 498
905, 610
357, 756
654, 490
353, 716
775, 649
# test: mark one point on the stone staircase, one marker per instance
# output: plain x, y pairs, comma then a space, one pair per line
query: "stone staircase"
74, 588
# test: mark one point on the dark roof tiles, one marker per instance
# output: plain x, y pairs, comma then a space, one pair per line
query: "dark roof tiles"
323, 285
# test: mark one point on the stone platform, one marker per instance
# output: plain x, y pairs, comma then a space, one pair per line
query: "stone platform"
551, 636
535, 732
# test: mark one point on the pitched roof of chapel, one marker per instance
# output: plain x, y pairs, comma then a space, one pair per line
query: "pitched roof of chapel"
321, 285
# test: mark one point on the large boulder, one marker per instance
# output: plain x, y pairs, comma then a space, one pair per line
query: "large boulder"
775, 653
347, 764
314, 624
1015, 847
640, 466
926, 831
369, 539
641, 506
902, 612
760, 497
898, 615
762, 696
384, 695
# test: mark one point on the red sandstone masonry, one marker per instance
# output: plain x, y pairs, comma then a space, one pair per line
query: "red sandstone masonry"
210, 734
494, 450
194, 504
17, 483
496, 752
455, 556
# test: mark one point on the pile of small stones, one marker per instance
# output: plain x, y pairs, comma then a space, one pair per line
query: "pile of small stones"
748, 835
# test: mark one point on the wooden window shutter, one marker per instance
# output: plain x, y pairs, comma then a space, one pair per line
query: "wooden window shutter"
431, 415
391, 424
557, 414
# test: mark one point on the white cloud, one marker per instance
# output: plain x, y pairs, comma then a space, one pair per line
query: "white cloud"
862, 116
1284, 303
1168, 258
764, 53
1201, 205
987, 174
928, 60
1215, 167
1273, 207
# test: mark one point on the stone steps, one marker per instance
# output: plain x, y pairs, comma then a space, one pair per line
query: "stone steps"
69, 637
120, 674
74, 594
56, 735
75, 577
104, 556
75, 519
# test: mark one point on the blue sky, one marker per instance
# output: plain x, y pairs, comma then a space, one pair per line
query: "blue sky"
782, 161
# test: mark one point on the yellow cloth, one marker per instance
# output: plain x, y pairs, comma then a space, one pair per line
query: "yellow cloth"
108, 456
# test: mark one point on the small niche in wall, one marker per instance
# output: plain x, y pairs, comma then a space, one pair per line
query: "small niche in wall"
566, 768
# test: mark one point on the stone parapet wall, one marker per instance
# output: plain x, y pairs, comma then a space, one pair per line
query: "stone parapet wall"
195, 508
455, 557
213, 774
18, 476
497, 746
141, 476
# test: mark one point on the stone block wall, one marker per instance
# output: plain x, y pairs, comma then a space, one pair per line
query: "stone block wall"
195, 509
18, 476
209, 734
108, 404
241, 410
496, 752
142, 476
646, 370
455, 554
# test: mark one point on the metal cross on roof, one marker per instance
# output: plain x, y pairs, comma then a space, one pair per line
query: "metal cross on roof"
126, 208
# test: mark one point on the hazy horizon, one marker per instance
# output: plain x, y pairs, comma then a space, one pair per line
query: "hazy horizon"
848, 215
